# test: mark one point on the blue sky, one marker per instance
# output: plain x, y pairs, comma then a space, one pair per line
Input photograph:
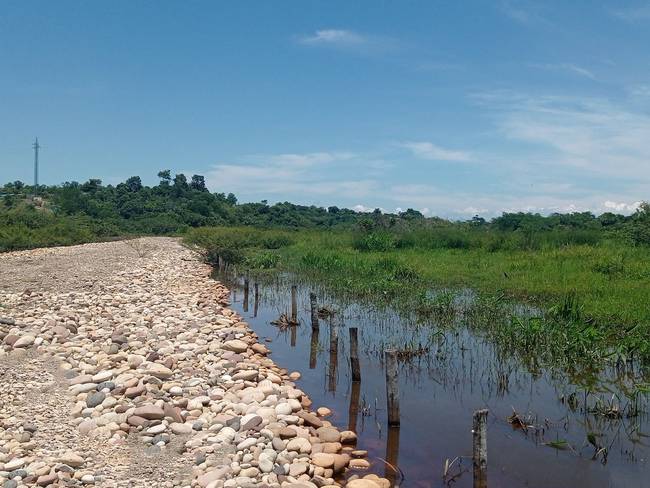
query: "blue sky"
453, 108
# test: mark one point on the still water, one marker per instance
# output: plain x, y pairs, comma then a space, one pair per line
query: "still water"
559, 439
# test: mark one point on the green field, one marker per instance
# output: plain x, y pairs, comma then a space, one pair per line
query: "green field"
593, 295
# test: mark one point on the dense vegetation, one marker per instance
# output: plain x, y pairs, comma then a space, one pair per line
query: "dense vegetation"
81, 212
588, 285
587, 274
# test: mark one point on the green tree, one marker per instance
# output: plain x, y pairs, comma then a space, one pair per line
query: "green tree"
198, 183
165, 176
134, 183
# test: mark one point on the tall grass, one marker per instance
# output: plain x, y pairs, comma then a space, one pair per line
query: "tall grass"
593, 291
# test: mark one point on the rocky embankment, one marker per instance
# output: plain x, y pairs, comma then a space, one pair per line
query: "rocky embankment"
121, 365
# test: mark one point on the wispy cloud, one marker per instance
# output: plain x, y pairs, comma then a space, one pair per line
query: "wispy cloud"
565, 67
336, 37
289, 176
349, 40
521, 11
433, 152
590, 134
634, 14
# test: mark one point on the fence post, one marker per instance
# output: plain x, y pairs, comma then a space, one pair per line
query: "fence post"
479, 441
392, 390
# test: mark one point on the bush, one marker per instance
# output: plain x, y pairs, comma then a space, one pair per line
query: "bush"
374, 242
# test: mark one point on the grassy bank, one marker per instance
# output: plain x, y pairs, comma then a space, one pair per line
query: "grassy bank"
592, 288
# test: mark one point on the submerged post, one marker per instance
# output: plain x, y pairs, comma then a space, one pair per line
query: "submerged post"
314, 311
294, 304
246, 288
354, 355
479, 438
392, 390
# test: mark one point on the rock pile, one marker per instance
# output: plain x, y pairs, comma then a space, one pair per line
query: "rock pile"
144, 377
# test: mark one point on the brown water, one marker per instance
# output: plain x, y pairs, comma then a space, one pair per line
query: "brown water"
458, 373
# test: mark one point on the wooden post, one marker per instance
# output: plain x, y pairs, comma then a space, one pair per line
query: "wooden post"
246, 287
220, 260
294, 304
392, 390
314, 311
479, 438
257, 299
354, 355
313, 348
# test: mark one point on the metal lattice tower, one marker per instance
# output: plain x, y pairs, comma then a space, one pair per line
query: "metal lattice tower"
36, 147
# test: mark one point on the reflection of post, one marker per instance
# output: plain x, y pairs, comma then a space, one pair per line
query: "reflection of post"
293, 328
392, 391
220, 260
354, 405
392, 455
313, 348
246, 286
334, 336
294, 304
354, 355
314, 311
479, 438
256, 299
334, 359
334, 350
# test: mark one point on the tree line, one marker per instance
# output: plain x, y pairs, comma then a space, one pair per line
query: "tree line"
79, 212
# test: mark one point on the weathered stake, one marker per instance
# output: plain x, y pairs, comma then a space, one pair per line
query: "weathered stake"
314, 311
479, 438
354, 355
392, 390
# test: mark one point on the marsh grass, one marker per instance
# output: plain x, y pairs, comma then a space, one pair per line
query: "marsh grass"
590, 293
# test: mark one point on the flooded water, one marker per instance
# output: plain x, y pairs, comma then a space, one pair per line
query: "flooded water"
571, 437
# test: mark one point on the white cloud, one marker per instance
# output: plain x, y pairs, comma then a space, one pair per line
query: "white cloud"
338, 37
428, 150
307, 159
634, 14
288, 176
622, 206
594, 135
522, 11
567, 68
350, 41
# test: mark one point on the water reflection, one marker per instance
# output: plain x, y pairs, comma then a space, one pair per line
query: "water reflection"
582, 427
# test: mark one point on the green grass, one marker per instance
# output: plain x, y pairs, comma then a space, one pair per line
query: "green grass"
594, 295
